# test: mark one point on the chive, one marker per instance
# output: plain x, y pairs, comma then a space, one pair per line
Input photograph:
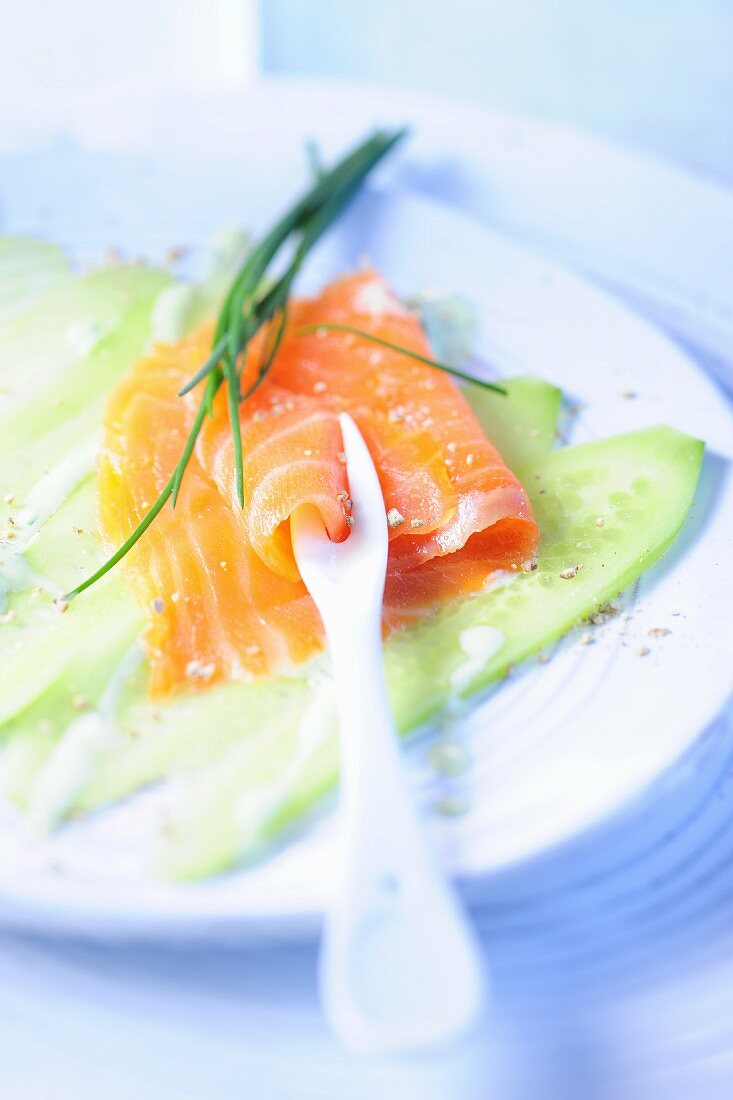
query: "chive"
243, 313
333, 327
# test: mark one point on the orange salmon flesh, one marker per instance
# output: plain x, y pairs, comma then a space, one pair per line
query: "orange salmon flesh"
219, 585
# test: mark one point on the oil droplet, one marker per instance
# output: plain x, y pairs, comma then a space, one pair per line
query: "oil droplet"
451, 805
449, 757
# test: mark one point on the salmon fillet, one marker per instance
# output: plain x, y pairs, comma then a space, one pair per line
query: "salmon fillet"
219, 584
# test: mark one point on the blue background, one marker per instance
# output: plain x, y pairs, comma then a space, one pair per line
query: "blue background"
657, 74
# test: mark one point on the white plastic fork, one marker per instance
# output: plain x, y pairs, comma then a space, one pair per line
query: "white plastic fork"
399, 966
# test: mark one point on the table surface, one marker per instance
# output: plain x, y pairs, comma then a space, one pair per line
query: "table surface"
612, 970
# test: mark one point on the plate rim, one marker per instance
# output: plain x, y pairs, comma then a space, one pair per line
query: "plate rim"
300, 923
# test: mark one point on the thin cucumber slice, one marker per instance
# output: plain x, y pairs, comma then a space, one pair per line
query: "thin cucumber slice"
641, 484
91, 331
41, 645
518, 439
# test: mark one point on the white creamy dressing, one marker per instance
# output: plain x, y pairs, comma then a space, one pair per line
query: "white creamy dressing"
479, 643
68, 769
47, 495
72, 762
175, 307
227, 251
172, 313
317, 723
84, 335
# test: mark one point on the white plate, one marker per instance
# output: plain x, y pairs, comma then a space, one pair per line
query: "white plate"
660, 233
559, 747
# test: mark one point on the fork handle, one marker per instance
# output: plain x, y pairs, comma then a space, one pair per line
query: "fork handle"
399, 967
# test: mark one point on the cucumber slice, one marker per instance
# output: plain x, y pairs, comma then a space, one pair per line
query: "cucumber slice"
519, 439
92, 330
642, 484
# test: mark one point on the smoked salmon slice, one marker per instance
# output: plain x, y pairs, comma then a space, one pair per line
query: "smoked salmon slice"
218, 583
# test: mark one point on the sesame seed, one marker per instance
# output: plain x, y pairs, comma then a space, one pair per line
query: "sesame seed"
307, 452
587, 638
253, 650
175, 596
529, 566
258, 415
319, 387
61, 605
572, 571
603, 614
600, 522
341, 456
158, 605
451, 447
343, 496
659, 632
629, 395
395, 518
417, 523
176, 253
80, 702
642, 651
469, 460
9, 498
349, 521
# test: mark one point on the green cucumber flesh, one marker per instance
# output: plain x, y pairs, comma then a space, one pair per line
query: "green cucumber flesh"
524, 438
